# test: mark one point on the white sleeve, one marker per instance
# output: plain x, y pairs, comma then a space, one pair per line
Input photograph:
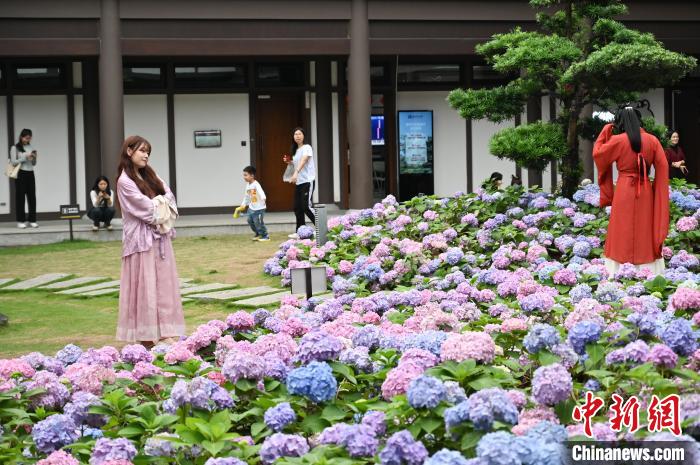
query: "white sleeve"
261, 192
308, 151
93, 197
17, 156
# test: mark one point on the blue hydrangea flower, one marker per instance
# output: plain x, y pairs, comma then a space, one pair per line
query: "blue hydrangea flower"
279, 416
582, 333
447, 457
54, 432
680, 337
457, 415
454, 255
425, 392
69, 354
498, 449
488, 405
580, 292
314, 381
541, 336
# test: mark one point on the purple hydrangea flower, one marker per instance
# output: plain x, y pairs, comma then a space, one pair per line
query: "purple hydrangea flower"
69, 354
201, 393
447, 457
402, 449
318, 346
279, 416
224, 461
376, 420
551, 384
305, 232
136, 353
282, 445
488, 405
78, 409
106, 450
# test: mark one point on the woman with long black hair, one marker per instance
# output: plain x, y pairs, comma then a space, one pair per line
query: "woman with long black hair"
102, 199
304, 177
639, 217
24, 155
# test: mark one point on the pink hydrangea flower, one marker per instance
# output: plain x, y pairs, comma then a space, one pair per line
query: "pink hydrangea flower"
240, 321
398, 379
8, 367
531, 417
59, 457
345, 267
686, 298
687, 223
513, 324
475, 345
178, 352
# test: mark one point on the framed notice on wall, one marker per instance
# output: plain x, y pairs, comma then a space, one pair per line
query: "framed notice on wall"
207, 138
415, 133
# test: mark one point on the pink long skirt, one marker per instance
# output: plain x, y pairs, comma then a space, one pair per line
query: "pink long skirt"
150, 307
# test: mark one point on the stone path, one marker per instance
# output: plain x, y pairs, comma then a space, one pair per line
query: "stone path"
88, 287
35, 282
93, 287
73, 282
234, 293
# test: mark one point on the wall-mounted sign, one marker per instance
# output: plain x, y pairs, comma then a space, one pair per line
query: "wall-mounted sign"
415, 153
207, 138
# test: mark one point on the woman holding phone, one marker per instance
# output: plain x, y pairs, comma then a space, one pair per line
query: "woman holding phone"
23, 154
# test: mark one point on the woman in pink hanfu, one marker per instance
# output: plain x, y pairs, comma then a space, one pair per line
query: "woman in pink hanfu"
150, 308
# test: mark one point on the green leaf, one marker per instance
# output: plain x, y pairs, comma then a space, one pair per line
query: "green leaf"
470, 440
131, 431
484, 382
547, 358
256, 428
429, 424
213, 447
313, 424
333, 413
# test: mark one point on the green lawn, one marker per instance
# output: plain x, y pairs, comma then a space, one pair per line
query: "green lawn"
45, 322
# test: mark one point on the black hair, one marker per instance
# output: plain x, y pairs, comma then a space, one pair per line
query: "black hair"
95, 186
515, 180
628, 120
250, 170
294, 147
23, 133
491, 181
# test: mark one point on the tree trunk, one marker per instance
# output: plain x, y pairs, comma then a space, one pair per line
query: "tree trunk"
571, 166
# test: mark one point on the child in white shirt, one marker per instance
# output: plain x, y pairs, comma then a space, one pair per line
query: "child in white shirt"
254, 202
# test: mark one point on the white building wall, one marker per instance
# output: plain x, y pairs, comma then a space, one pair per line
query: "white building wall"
147, 116
483, 163
5, 144
314, 132
45, 115
82, 186
449, 139
657, 101
211, 177
336, 147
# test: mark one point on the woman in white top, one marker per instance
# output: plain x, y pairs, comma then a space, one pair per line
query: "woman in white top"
304, 177
102, 209
24, 155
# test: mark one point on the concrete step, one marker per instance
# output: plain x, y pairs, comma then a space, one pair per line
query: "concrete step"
95, 287
187, 226
36, 282
234, 293
200, 288
4, 281
73, 282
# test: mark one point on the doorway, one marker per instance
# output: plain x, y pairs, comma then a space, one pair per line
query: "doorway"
686, 120
276, 114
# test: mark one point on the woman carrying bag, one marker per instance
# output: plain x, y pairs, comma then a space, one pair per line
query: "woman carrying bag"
22, 155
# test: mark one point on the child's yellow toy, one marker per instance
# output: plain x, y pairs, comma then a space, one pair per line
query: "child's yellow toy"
237, 211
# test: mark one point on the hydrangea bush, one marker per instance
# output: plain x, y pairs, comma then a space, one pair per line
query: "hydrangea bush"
459, 331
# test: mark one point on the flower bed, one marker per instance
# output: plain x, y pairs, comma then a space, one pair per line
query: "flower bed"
461, 331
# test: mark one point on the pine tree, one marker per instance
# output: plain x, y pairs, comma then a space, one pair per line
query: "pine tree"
580, 55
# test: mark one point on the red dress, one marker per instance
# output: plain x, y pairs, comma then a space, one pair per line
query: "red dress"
639, 219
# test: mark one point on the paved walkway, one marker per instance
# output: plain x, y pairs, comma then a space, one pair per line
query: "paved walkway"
92, 286
188, 225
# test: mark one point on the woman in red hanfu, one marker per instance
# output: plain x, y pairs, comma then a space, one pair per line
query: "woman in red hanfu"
639, 218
